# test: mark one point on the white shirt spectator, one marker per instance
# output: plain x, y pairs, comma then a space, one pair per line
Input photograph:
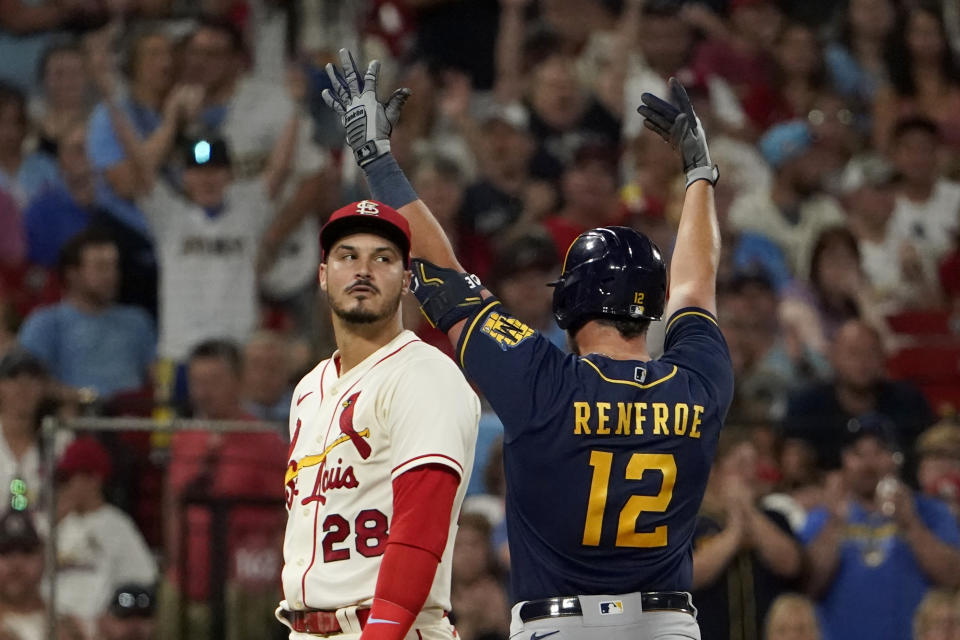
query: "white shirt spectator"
207, 280
931, 225
756, 212
256, 116
97, 552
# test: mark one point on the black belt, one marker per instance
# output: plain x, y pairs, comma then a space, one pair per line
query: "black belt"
650, 601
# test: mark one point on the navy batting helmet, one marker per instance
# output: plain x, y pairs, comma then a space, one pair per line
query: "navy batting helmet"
610, 271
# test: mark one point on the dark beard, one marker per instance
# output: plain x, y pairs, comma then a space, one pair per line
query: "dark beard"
357, 317
364, 316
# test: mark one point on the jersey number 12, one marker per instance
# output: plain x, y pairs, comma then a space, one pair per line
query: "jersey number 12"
627, 534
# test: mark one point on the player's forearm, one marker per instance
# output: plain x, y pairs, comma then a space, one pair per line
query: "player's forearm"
405, 579
938, 560
389, 185
696, 254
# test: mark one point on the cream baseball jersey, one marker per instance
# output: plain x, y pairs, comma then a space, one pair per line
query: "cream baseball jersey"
405, 406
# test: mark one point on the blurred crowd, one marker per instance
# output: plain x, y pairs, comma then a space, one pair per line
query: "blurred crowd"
165, 166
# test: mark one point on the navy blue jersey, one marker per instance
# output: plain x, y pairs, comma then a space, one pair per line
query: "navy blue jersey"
606, 460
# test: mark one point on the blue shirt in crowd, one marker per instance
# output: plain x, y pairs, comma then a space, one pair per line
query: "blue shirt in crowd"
109, 351
878, 583
51, 219
105, 151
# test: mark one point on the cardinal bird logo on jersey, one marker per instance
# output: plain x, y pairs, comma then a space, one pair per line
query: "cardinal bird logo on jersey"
346, 427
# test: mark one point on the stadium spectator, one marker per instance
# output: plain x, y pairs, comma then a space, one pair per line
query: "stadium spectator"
924, 78
229, 467
88, 340
23, 613
737, 543
799, 79
660, 42
937, 617
480, 606
65, 101
927, 203
266, 377
23, 391
855, 58
823, 413
441, 183
27, 27
522, 267
838, 131
254, 118
590, 198
838, 291
154, 111
13, 132
207, 243
768, 362
130, 615
875, 547
794, 209
898, 274
504, 188
562, 111
65, 208
792, 617
738, 50
99, 548
938, 463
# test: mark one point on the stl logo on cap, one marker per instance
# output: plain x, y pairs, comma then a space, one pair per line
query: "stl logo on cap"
368, 208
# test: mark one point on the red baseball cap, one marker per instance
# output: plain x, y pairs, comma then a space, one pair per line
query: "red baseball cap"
367, 216
84, 455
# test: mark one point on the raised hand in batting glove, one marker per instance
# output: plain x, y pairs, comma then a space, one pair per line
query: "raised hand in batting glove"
679, 125
367, 121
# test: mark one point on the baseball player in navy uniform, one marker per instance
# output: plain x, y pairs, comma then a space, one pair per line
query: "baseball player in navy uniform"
606, 451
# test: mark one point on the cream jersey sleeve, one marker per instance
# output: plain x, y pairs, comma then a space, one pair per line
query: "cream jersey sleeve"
431, 414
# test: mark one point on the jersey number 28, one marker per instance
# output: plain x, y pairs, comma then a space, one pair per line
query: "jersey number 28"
627, 534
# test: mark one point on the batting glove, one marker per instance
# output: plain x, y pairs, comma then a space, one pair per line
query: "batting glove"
679, 125
367, 121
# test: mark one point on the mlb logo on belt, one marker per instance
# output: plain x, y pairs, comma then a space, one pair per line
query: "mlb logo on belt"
611, 607
368, 208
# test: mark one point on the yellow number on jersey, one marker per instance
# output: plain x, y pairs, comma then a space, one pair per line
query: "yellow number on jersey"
627, 534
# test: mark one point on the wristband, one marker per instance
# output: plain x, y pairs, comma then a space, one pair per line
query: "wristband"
388, 184
710, 174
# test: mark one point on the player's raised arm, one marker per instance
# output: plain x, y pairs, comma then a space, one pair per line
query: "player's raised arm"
368, 123
446, 294
696, 254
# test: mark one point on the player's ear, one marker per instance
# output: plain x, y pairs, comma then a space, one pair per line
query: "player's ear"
322, 276
407, 276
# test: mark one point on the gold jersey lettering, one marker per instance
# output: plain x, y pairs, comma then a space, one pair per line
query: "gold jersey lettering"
603, 418
680, 414
660, 414
640, 417
624, 413
581, 418
695, 425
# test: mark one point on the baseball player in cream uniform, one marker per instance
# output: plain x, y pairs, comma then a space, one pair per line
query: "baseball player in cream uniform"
382, 438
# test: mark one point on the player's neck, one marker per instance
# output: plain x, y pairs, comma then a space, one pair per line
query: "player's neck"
607, 341
355, 342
